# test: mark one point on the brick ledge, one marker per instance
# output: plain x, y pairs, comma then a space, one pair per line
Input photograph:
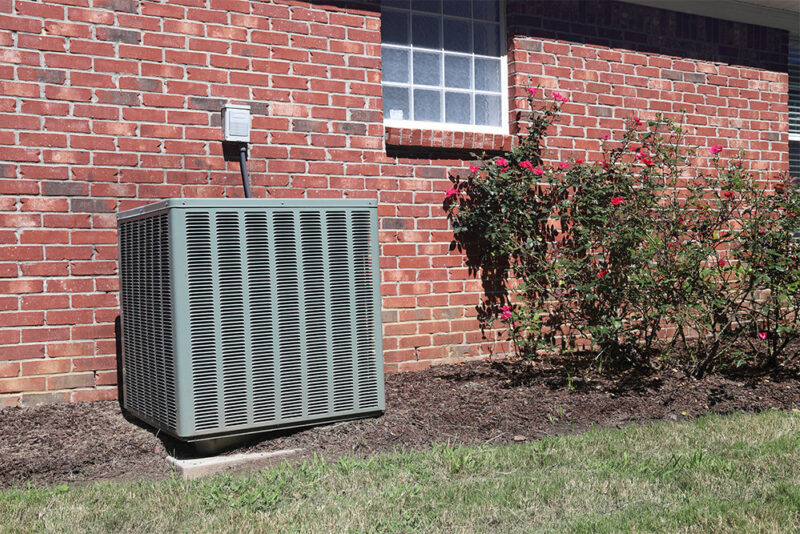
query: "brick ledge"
442, 139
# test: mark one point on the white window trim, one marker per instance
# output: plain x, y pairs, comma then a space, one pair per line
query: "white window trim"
503, 129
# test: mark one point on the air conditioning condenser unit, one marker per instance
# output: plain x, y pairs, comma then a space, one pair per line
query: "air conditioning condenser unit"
246, 315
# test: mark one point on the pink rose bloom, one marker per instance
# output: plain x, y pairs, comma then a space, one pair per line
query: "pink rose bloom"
636, 121
616, 201
728, 194
579, 161
606, 137
762, 335
716, 149
722, 263
602, 273
563, 164
506, 311
647, 161
560, 97
526, 165
538, 171
451, 193
532, 91
474, 168
501, 162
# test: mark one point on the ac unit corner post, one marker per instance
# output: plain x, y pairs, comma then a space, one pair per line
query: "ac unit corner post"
248, 315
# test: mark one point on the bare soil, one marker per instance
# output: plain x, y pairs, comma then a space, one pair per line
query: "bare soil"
478, 402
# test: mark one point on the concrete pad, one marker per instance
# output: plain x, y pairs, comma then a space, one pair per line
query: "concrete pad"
203, 467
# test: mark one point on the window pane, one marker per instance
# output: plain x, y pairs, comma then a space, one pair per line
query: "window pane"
432, 6
394, 64
462, 8
457, 35
427, 105
402, 4
487, 39
395, 103
794, 159
487, 74
457, 108
487, 10
487, 110
457, 71
394, 27
426, 31
427, 68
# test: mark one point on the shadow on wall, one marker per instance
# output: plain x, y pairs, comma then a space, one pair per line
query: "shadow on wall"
630, 27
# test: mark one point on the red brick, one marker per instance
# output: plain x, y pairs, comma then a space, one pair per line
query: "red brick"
21, 286
70, 381
46, 367
21, 352
67, 317
9, 369
17, 385
94, 363
53, 44
45, 269
106, 378
36, 335
19, 89
84, 395
9, 401
44, 302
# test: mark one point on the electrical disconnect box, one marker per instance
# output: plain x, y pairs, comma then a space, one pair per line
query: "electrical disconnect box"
236, 123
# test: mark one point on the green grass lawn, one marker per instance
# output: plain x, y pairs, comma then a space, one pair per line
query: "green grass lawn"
738, 473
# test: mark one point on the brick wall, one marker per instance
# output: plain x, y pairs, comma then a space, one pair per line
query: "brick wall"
110, 104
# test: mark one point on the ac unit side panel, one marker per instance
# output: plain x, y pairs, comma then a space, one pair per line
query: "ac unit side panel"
375, 255
146, 318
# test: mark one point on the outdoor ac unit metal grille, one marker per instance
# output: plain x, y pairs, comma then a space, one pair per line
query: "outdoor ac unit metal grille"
147, 299
276, 314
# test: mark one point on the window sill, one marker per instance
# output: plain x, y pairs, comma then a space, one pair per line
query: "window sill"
443, 139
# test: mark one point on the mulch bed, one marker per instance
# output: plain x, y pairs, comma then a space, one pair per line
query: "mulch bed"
477, 402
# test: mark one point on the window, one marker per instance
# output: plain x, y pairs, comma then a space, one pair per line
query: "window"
794, 106
444, 64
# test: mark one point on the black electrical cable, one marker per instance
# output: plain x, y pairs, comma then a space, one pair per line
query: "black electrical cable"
243, 167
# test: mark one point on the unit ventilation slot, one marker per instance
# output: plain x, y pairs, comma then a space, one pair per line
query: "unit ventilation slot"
203, 332
342, 324
259, 281
232, 316
316, 321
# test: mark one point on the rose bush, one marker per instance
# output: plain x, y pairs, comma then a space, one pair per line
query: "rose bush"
637, 254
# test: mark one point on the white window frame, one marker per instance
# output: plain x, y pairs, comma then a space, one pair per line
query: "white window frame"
452, 126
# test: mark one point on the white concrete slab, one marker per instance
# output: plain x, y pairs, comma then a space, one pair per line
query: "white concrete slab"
203, 467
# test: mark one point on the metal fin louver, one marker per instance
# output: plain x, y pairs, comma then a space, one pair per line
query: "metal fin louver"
245, 315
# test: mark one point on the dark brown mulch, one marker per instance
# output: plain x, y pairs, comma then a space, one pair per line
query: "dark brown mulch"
478, 402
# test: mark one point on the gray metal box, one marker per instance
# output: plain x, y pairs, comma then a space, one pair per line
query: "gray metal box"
240, 316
